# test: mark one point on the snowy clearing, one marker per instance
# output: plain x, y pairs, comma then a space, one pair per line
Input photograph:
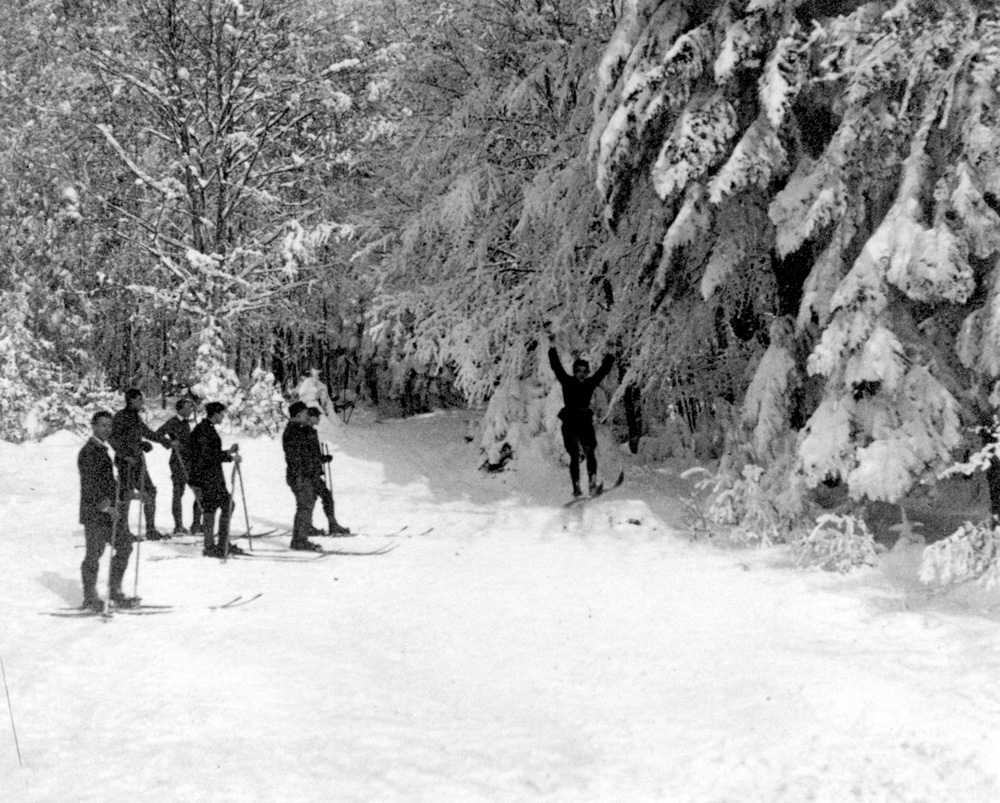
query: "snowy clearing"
518, 651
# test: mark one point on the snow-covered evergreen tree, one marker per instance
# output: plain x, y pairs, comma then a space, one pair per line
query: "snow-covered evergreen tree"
263, 407
214, 379
26, 377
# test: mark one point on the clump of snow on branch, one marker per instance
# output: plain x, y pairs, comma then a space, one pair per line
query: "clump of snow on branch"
695, 145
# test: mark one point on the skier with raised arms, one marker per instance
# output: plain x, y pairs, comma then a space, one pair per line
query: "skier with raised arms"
577, 417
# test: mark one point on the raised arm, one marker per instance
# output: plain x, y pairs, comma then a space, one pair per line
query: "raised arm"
560, 372
604, 370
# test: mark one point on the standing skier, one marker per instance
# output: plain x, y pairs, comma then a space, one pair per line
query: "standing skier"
130, 438
577, 417
303, 463
322, 489
178, 433
207, 457
98, 515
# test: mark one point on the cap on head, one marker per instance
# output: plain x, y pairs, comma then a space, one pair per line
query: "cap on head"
214, 408
315, 412
132, 393
295, 408
581, 363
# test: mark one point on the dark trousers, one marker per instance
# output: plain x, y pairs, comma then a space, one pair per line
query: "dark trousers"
212, 501
326, 499
579, 436
179, 480
135, 478
305, 492
98, 536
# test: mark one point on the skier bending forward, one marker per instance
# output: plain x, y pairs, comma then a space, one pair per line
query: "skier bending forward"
577, 417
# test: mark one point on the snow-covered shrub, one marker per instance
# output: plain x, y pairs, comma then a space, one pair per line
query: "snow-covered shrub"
837, 544
970, 553
263, 407
515, 413
760, 507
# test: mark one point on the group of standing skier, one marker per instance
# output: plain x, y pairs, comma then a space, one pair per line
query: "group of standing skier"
196, 461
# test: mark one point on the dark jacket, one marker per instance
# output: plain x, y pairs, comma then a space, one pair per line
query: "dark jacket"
97, 483
128, 431
177, 432
577, 394
303, 457
207, 458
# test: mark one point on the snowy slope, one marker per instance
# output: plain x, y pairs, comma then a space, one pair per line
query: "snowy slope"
518, 651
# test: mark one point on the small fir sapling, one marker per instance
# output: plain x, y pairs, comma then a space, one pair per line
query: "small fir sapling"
973, 551
837, 543
970, 553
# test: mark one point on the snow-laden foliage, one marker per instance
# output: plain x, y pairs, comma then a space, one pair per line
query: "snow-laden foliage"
766, 405
699, 140
837, 544
970, 553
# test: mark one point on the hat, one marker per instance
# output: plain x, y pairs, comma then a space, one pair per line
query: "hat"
214, 407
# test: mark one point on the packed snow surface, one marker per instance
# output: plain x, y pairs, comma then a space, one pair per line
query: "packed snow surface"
507, 649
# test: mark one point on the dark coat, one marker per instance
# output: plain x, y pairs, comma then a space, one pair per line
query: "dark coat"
97, 483
577, 394
177, 432
303, 457
128, 431
207, 458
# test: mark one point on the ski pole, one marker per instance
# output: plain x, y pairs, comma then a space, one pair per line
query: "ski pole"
329, 471
3, 672
243, 495
141, 517
114, 540
232, 504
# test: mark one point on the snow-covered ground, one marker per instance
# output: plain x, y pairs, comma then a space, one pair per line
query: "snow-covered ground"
518, 651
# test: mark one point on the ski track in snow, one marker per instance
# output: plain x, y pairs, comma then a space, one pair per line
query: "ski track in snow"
516, 652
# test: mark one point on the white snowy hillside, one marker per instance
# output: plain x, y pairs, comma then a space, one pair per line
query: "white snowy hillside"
507, 649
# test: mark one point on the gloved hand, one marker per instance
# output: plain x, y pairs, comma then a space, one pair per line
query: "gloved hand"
327, 458
147, 446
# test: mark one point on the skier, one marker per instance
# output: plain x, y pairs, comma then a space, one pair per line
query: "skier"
207, 457
130, 438
322, 489
98, 515
303, 463
577, 417
178, 432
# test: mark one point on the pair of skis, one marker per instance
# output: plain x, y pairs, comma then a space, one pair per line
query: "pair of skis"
579, 500
141, 609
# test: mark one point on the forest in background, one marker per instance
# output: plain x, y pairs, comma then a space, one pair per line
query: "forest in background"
781, 217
